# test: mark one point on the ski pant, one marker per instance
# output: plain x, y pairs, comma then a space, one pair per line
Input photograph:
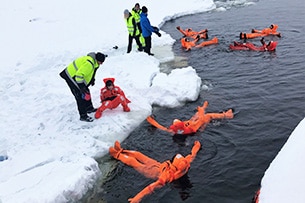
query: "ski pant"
147, 44
137, 38
82, 104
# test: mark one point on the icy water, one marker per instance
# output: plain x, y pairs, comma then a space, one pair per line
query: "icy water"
266, 90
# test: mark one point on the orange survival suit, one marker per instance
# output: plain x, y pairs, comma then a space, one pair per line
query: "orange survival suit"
111, 96
271, 46
191, 33
272, 30
187, 44
199, 120
163, 173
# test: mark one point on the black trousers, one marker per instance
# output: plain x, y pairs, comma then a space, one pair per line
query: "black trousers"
137, 38
82, 105
147, 44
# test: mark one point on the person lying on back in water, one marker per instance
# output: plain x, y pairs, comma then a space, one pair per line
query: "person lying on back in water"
191, 33
165, 172
272, 30
271, 46
198, 121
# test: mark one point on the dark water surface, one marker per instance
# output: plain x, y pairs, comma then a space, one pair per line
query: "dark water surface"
266, 90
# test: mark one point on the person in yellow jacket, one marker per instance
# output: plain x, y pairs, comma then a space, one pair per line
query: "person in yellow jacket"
79, 75
135, 12
133, 31
165, 172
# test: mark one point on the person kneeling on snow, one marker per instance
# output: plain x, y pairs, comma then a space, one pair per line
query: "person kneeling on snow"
111, 96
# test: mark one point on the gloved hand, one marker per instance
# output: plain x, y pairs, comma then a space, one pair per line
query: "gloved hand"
86, 96
178, 27
159, 34
84, 91
155, 29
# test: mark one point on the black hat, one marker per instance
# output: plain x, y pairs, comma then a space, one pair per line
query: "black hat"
144, 9
100, 57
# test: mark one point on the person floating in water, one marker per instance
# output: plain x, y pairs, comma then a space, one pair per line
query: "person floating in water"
203, 34
165, 172
271, 46
198, 121
271, 30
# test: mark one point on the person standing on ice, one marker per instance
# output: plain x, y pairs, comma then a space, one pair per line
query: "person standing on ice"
135, 12
165, 172
133, 30
79, 75
111, 97
147, 30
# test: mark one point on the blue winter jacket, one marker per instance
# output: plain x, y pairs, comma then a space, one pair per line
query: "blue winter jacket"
147, 29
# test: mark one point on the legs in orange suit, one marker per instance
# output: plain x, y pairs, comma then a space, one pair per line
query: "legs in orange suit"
206, 43
150, 168
112, 104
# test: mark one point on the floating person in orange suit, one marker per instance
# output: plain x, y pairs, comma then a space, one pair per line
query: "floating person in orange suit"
271, 46
271, 30
165, 172
189, 44
203, 34
199, 121
111, 97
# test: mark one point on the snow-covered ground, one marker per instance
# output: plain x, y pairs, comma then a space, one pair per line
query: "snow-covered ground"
50, 152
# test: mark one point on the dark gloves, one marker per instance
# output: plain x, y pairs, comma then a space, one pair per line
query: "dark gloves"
155, 29
178, 27
159, 34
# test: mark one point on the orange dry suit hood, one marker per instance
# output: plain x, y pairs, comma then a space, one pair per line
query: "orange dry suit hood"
271, 46
108, 79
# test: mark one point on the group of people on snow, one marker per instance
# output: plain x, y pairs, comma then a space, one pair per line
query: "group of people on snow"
80, 74
139, 28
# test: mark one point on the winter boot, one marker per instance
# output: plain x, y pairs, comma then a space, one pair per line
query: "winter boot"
86, 118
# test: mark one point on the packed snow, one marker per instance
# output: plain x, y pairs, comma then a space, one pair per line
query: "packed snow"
46, 153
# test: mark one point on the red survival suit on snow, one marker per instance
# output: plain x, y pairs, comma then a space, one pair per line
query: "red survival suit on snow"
111, 96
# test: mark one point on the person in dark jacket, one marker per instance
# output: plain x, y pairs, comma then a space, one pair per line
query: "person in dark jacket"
147, 30
79, 75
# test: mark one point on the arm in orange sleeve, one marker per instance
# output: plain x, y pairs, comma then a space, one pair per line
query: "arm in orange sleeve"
146, 191
194, 151
121, 92
182, 31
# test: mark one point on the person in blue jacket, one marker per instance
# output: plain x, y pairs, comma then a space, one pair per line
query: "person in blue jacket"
147, 30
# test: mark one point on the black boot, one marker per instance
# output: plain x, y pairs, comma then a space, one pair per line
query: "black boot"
86, 118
